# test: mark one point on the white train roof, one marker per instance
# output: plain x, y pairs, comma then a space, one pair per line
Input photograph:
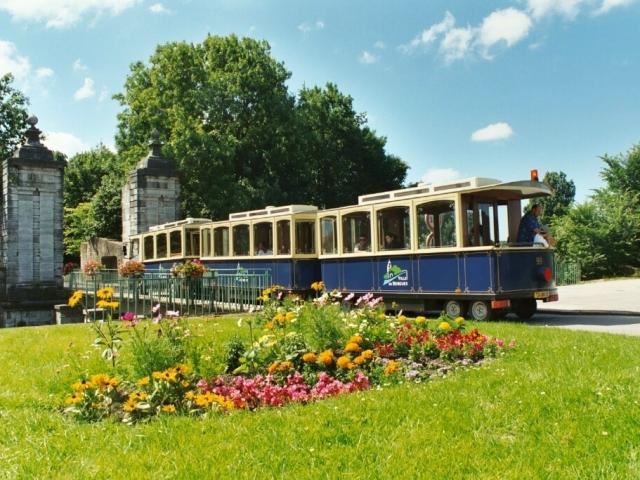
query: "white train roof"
270, 210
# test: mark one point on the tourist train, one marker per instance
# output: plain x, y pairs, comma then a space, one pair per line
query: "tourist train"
446, 246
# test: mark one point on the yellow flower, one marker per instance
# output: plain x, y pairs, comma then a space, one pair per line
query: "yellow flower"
182, 369
309, 357
355, 339
459, 320
381, 316
421, 320
74, 399
402, 318
81, 385
352, 347
137, 396
326, 357
129, 405
391, 367
169, 375
317, 286
345, 362
284, 366
367, 354
190, 395
290, 316
360, 360
105, 293
157, 375
103, 381
75, 298
268, 325
444, 326
169, 408
184, 383
280, 318
143, 381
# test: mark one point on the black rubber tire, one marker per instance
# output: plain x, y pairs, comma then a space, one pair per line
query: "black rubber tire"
454, 309
480, 310
524, 308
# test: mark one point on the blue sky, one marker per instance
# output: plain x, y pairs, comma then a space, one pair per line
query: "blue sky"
459, 87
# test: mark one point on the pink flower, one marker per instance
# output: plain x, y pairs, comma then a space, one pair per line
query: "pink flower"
512, 344
349, 297
129, 318
156, 308
173, 313
157, 318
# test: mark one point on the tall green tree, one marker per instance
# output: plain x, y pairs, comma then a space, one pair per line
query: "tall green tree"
13, 116
238, 137
85, 171
622, 172
342, 156
560, 201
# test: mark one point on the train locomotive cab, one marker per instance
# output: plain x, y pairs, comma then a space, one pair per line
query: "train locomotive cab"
444, 247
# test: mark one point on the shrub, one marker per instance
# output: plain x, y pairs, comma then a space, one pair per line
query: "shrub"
91, 267
131, 268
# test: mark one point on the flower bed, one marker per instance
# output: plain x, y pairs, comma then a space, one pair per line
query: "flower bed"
298, 351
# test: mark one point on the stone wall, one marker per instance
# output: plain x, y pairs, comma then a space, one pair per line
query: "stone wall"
102, 250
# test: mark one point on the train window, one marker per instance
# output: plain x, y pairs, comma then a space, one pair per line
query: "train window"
148, 248
481, 224
206, 242
283, 230
134, 251
394, 228
161, 245
436, 224
241, 240
328, 235
221, 242
175, 241
356, 232
193, 242
305, 238
263, 238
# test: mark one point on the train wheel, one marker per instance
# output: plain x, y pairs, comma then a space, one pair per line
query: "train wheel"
524, 308
480, 310
453, 309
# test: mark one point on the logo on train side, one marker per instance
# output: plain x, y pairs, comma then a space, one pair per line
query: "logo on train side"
395, 276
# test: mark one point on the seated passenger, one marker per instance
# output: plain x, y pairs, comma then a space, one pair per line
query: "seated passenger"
391, 242
262, 250
362, 245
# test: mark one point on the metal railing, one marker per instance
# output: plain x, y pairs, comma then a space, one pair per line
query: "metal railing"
567, 273
218, 291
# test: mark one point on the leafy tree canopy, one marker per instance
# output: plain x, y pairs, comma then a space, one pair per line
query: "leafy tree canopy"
559, 203
13, 116
622, 172
240, 139
85, 171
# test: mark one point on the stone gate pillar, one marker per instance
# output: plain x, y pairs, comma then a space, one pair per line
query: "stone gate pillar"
31, 250
151, 195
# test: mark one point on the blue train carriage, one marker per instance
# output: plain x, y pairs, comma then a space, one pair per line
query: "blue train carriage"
163, 245
440, 247
280, 240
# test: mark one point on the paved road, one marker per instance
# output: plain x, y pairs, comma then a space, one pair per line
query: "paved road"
611, 306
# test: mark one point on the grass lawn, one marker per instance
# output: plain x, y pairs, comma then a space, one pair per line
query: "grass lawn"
562, 405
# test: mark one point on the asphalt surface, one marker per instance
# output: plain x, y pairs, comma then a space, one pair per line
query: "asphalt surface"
611, 306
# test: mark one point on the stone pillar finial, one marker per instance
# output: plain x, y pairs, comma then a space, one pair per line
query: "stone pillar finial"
155, 144
33, 133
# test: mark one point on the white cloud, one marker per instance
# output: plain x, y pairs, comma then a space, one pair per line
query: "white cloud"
508, 25
64, 142
78, 66
159, 8
306, 27
456, 43
85, 91
492, 132
609, 4
44, 72
368, 58
440, 175
12, 62
430, 34
567, 8
62, 13
379, 44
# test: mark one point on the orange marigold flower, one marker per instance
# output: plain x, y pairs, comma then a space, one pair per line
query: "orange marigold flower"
309, 357
360, 360
273, 367
367, 354
391, 368
268, 325
326, 357
169, 408
344, 362
355, 339
352, 347
284, 366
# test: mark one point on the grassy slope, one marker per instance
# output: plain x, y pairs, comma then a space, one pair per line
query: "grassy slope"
563, 405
